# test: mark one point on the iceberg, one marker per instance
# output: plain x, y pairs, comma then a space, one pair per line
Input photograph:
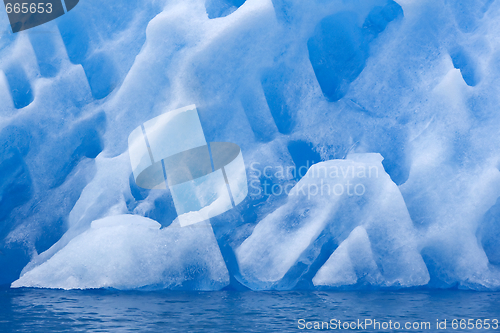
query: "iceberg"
407, 88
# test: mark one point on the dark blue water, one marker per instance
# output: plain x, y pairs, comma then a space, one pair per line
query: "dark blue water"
102, 311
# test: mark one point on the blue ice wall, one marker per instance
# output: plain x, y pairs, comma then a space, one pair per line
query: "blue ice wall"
407, 87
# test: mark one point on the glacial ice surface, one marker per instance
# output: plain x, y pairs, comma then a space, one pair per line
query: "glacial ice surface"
408, 86
351, 203
127, 251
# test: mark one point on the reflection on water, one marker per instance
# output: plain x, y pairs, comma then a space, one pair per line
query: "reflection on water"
227, 311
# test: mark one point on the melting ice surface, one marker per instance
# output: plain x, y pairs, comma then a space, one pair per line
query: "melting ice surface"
127, 251
406, 89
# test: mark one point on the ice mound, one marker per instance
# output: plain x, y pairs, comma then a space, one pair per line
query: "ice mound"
339, 200
353, 259
130, 252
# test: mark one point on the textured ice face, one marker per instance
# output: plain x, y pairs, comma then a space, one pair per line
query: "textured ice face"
413, 81
127, 252
355, 205
352, 259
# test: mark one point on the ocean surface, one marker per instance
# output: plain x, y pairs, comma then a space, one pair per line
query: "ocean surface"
31, 310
